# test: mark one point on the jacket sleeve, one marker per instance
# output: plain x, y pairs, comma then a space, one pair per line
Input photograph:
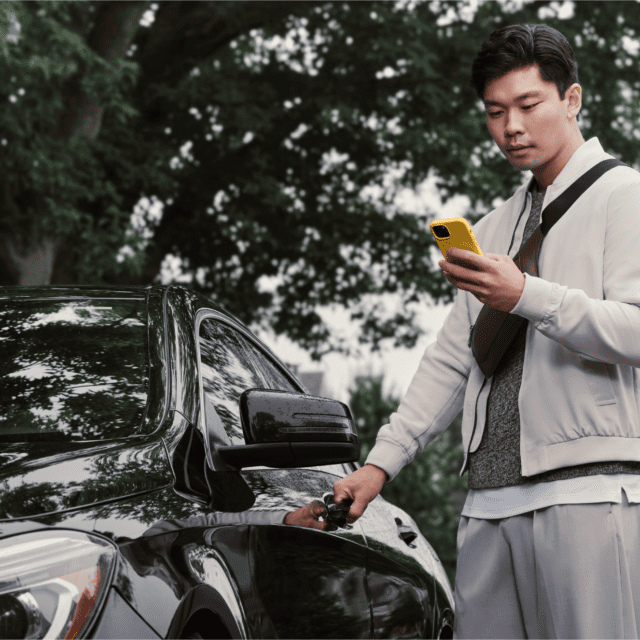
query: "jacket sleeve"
603, 330
252, 516
434, 397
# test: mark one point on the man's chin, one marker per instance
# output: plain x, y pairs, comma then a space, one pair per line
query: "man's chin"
521, 165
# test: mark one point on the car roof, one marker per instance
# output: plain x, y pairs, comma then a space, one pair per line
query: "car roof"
172, 291
72, 291
198, 300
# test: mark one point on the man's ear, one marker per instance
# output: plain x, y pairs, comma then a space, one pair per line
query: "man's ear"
573, 96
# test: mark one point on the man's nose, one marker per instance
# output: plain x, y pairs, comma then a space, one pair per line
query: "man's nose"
513, 125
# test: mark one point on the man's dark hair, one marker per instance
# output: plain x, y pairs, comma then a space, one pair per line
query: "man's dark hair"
520, 45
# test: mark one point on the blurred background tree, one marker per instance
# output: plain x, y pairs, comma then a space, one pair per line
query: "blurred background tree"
430, 489
264, 144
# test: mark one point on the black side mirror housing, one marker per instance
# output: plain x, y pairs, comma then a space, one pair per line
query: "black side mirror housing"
284, 430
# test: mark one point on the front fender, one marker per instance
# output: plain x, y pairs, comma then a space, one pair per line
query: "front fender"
205, 598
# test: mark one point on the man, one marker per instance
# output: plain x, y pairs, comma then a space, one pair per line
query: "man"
549, 538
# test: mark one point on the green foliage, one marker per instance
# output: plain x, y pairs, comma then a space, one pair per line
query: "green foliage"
57, 185
258, 194
268, 130
430, 489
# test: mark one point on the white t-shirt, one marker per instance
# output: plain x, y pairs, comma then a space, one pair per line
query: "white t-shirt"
512, 501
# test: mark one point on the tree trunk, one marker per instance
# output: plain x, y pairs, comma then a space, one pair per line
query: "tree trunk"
32, 261
115, 27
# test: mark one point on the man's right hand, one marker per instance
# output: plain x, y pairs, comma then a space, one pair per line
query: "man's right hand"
362, 486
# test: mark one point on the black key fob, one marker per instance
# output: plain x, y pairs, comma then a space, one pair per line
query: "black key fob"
336, 513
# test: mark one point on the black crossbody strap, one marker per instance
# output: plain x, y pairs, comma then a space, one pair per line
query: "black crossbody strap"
554, 211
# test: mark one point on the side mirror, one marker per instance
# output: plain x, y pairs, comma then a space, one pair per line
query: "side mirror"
284, 430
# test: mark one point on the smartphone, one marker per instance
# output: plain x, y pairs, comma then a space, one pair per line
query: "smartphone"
454, 232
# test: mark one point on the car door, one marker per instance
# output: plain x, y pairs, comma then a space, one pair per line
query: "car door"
310, 583
401, 568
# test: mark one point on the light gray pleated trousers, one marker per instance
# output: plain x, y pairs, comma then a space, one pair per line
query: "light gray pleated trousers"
565, 571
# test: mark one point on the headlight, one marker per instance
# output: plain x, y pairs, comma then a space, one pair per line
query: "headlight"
52, 583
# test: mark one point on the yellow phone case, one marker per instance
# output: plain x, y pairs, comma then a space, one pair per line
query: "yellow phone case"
460, 235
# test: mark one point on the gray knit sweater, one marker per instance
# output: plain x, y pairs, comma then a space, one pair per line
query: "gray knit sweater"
496, 463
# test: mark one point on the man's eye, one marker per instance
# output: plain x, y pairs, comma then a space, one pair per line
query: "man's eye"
493, 114
530, 106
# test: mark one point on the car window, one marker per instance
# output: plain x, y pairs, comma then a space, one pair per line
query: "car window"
74, 369
273, 377
227, 369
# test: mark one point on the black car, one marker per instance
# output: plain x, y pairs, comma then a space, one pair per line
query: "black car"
163, 475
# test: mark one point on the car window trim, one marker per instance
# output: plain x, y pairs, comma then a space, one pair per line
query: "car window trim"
70, 298
161, 358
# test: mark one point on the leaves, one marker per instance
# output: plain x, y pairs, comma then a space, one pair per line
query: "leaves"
261, 127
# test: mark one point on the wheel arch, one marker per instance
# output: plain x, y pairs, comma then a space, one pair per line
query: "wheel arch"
204, 610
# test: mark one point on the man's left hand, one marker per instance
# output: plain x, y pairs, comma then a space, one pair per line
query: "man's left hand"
495, 279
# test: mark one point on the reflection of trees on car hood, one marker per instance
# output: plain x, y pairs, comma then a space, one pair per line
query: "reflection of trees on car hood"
76, 368
51, 477
290, 488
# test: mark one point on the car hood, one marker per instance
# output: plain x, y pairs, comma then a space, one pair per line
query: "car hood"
41, 478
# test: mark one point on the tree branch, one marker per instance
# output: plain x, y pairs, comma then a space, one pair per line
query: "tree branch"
186, 33
113, 31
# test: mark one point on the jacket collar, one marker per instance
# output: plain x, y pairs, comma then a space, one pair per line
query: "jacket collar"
584, 157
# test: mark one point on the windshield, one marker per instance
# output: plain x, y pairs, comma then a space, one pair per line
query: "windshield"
72, 369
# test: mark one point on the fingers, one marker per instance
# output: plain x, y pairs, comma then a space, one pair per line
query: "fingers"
362, 486
315, 510
358, 508
307, 516
454, 270
342, 491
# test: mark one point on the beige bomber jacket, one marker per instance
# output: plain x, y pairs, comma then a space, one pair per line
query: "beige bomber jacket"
579, 401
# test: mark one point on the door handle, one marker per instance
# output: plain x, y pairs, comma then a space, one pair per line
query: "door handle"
406, 533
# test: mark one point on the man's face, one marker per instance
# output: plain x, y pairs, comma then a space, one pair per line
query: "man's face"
527, 119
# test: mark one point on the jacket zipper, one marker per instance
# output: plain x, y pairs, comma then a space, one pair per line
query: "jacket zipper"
475, 414
475, 419
524, 206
